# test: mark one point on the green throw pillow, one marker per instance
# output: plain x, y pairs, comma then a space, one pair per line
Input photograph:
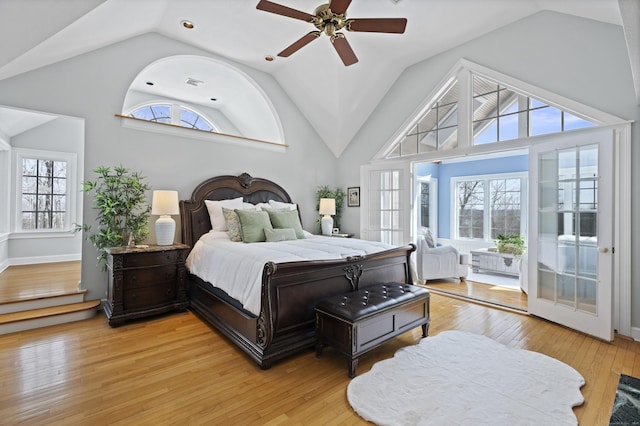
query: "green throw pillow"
281, 219
253, 224
275, 235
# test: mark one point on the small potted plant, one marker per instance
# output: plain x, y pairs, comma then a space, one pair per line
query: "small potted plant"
123, 211
511, 244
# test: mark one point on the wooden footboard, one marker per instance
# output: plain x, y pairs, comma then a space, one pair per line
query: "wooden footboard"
290, 292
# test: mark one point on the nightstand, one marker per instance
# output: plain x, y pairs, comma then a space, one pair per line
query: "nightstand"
145, 281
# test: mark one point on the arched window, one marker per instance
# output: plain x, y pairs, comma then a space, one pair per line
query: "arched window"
178, 115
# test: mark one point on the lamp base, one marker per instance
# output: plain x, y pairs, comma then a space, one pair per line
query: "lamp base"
326, 224
165, 230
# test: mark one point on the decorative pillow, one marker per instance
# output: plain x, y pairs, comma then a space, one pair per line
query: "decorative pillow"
280, 205
428, 238
282, 234
215, 211
233, 224
262, 206
253, 224
282, 219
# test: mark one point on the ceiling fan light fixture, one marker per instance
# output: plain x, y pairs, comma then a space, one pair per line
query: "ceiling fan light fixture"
188, 24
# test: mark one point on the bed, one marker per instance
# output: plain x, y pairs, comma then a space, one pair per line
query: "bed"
284, 322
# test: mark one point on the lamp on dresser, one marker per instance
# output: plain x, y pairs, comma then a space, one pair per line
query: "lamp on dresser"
328, 209
165, 204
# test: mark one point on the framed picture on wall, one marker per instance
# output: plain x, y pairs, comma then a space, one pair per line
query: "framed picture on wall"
353, 196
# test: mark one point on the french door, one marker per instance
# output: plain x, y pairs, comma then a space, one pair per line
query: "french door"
570, 251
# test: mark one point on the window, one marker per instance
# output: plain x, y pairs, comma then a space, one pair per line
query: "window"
179, 115
480, 111
487, 206
501, 114
385, 206
44, 190
427, 191
436, 130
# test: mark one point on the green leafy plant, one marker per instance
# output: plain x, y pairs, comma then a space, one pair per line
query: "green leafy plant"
121, 202
339, 194
512, 244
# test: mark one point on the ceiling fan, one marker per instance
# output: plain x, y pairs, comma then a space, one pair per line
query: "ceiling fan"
329, 19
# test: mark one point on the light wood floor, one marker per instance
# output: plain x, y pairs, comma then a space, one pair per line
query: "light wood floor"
503, 296
22, 282
175, 369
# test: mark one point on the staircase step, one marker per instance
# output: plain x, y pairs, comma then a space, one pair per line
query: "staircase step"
38, 302
43, 317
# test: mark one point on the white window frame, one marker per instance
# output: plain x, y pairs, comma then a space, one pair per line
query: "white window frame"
433, 204
72, 168
524, 205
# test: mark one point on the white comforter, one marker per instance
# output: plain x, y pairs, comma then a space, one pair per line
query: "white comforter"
237, 268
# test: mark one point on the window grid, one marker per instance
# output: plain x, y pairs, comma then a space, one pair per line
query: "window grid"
489, 207
44, 198
162, 113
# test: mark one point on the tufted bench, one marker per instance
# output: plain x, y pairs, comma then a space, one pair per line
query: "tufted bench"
359, 321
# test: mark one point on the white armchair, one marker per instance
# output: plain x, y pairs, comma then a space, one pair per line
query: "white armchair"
440, 262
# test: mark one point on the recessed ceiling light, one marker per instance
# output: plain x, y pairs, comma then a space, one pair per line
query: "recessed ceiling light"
150, 83
214, 99
187, 24
268, 58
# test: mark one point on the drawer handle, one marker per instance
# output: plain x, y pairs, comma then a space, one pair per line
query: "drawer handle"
134, 279
134, 296
169, 291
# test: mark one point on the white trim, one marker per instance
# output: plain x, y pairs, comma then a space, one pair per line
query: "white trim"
621, 236
72, 170
44, 259
41, 234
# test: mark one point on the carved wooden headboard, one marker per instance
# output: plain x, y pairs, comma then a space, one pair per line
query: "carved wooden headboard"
194, 215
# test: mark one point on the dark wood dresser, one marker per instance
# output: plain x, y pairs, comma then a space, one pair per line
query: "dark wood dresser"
145, 281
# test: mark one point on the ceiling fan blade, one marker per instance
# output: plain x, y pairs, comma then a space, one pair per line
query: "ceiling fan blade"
279, 9
378, 25
299, 44
339, 7
344, 49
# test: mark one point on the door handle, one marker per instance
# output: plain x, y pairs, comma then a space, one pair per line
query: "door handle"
603, 249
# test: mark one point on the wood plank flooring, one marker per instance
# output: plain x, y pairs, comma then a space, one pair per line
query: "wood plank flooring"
21, 282
174, 369
502, 296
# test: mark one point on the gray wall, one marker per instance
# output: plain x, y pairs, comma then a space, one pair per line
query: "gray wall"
580, 59
93, 86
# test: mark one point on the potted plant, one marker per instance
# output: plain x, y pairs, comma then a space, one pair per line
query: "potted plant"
339, 195
123, 211
511, 244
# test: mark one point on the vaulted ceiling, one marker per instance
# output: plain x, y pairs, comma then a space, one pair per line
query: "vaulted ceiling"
335, 99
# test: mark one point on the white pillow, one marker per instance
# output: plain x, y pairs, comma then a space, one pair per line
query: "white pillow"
280, 205
215, 211
249, 206
262, 206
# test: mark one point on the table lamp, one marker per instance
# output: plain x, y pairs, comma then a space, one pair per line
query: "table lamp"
327, 208
164, 204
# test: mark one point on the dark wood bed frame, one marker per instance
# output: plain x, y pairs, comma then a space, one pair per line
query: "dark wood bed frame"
290, 290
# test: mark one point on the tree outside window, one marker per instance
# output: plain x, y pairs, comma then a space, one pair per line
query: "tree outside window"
44, 194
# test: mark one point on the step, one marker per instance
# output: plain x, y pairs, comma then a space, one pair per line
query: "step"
43, 317
38, 302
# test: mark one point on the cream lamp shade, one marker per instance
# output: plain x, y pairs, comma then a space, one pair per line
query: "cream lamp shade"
327, 208
164, 204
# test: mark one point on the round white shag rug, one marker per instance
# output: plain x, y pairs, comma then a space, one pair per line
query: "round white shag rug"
461, 378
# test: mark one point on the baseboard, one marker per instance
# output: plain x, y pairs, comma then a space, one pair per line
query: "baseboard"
4, 265
635, 333
44, 259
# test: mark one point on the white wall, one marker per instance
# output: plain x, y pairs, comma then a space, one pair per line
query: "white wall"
93, 86
64, 134
580, 59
